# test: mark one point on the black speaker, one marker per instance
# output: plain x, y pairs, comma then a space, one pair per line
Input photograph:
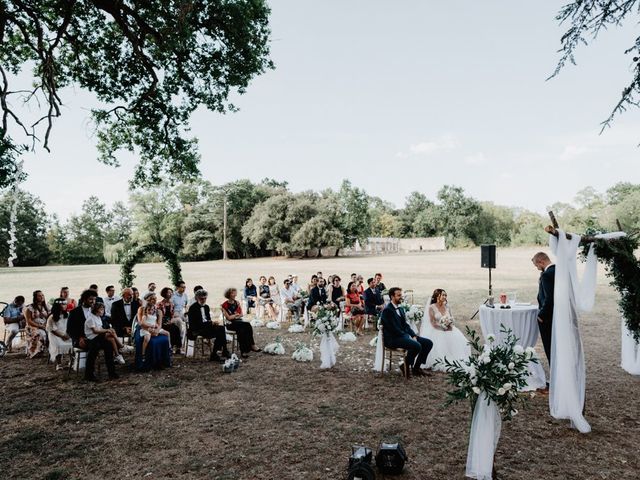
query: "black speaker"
391, 458
488, 256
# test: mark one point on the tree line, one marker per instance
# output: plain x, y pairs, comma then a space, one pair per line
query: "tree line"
267, 218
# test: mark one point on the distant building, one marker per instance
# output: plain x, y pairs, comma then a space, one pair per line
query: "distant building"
381, 245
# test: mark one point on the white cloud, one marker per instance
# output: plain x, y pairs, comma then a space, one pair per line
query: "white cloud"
444, 143
572, 152
475, 159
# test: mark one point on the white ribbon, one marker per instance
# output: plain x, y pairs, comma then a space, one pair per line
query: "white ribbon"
328, 349
483, 439
379, 361
630, 352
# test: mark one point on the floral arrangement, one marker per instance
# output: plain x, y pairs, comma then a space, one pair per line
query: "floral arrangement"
302, 353
275, 348
325, 322
374, 342
624, 270
446, 321
256, 322
303, 294
414, 313
296, 328
497, 370
347, 337
137, 254
273, 325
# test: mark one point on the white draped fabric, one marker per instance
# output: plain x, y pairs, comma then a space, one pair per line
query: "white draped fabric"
483, 439
523, 322
378, 363
328, 349
567, 386
630, 352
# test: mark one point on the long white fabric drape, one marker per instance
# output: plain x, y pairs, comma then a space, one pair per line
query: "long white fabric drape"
378, 363
483, 439
630, 352
567, 387
328, 349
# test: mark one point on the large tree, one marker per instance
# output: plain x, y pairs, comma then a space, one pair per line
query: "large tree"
585, 19
150, 64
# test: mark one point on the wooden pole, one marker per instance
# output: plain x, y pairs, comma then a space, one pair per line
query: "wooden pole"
553, 230
224, 229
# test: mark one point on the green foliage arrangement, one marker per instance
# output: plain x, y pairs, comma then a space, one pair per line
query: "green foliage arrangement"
623, 268
135, 255
498, 371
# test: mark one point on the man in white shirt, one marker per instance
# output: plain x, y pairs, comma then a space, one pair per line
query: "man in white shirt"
108, 301
180, 301
151, 288
291, 300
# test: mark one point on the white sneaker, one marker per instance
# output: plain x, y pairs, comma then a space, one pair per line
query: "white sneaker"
127, 349
119, 359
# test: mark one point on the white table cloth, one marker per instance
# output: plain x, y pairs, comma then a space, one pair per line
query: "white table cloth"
523, 322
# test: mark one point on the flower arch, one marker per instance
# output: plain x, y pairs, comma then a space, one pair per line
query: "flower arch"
136, 254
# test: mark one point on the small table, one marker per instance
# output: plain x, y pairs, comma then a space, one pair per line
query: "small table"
523, 322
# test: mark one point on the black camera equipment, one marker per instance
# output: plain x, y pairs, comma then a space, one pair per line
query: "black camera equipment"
361, 464
391, 458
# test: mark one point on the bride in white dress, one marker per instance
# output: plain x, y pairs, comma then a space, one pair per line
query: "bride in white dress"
437, 325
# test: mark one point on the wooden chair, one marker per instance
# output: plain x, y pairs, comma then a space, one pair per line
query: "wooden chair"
390, 351
408, 295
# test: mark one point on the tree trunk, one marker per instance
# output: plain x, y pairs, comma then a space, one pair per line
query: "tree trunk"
319, 253
337, 252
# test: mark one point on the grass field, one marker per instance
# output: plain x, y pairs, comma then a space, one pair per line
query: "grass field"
278, 419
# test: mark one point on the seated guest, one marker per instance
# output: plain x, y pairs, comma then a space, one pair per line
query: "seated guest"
36, 316
313, 284
123, 312
232, 312
397, 333
250, 294
373, 301
195, 289
59, 340
136, 294
77, 318
13, 319
180, 301
151, 288
200, 324
294, 284
355, 307
71, 303
169, 321
149, 319
109, 334
290, 300
354, 277
448, 341
264, 298
335, 292
108, 301
379, 285
95, 337
94, 287
317, 296
274, 291
360, 284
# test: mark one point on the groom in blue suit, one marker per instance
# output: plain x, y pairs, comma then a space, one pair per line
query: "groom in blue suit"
398, 334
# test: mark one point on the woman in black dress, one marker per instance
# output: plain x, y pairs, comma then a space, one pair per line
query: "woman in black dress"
232, 312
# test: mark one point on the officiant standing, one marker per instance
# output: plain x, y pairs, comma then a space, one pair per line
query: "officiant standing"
545, 299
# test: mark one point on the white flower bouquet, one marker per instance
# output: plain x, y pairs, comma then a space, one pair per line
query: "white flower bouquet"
296, 328
275, 348
446, 321
302, 353
347, 337
273, 325
497, 372
325, 322
414, 313
256, 322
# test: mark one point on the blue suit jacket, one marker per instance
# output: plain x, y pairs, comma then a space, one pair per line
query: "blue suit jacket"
394, 324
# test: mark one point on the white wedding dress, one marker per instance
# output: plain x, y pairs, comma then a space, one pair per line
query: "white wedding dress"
451, 344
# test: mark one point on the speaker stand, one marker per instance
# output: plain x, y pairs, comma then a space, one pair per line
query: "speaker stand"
487, 299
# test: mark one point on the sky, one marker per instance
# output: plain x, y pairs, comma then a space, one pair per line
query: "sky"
397, 97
